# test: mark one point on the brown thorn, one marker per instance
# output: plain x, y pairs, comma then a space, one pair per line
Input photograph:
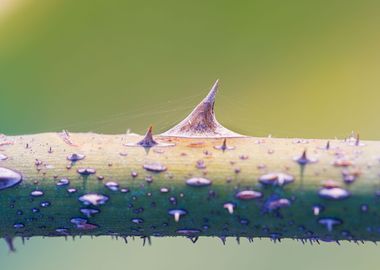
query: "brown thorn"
201, 122
357, 142
148, 140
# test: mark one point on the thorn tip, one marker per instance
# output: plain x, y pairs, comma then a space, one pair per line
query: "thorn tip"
201, 122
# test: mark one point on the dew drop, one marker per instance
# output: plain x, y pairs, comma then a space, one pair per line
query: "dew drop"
3, 157
230, 207
113, 186
188, 232
198, 182
45, 204
277, 204
342, 163
75, 157
200, 164
137, 220
78, 220
88, 212
276, 179
62, 231
335, 193
329, 223
18, 226
155, 167
317, 209
164, 190
71, 190
9, 178
63, 182
248, 195
177, 213
37, 193
93, 199
86, 171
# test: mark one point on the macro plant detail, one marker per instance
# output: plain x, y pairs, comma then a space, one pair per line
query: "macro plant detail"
196, 179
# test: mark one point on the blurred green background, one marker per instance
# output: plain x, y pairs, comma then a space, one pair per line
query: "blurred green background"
287, 68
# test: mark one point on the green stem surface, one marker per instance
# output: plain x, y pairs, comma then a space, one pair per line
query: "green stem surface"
332, 198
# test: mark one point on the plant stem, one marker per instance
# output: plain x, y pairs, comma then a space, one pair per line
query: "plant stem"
127, 185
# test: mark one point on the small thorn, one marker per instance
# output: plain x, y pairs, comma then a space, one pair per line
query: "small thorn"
357, 142
223, 239
145, 239
224, 146
148, 140
201, 122
125, 240
193, 239
303, 159
9, 241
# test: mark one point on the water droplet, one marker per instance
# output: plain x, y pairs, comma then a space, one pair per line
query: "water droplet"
277, 204
18, 226
9, 178
200, 164
276, 179
164, 190
75, 157
137, 220
86, 171
244, 157
317, 209
78, 220
3, 157
113, 186
81, 223
342, 163
93, 199
188, 232
45, 204
350, 176
87, 226
134, 174
37, 193
71, 190
248, 195
244, 221
63, 182
334, 193
198, 182
88, 212
230, 207
62, 231
364, 207
154, 167
330, 184
177, 213
329, 223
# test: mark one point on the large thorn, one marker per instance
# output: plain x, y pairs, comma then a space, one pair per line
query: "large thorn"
201, 122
